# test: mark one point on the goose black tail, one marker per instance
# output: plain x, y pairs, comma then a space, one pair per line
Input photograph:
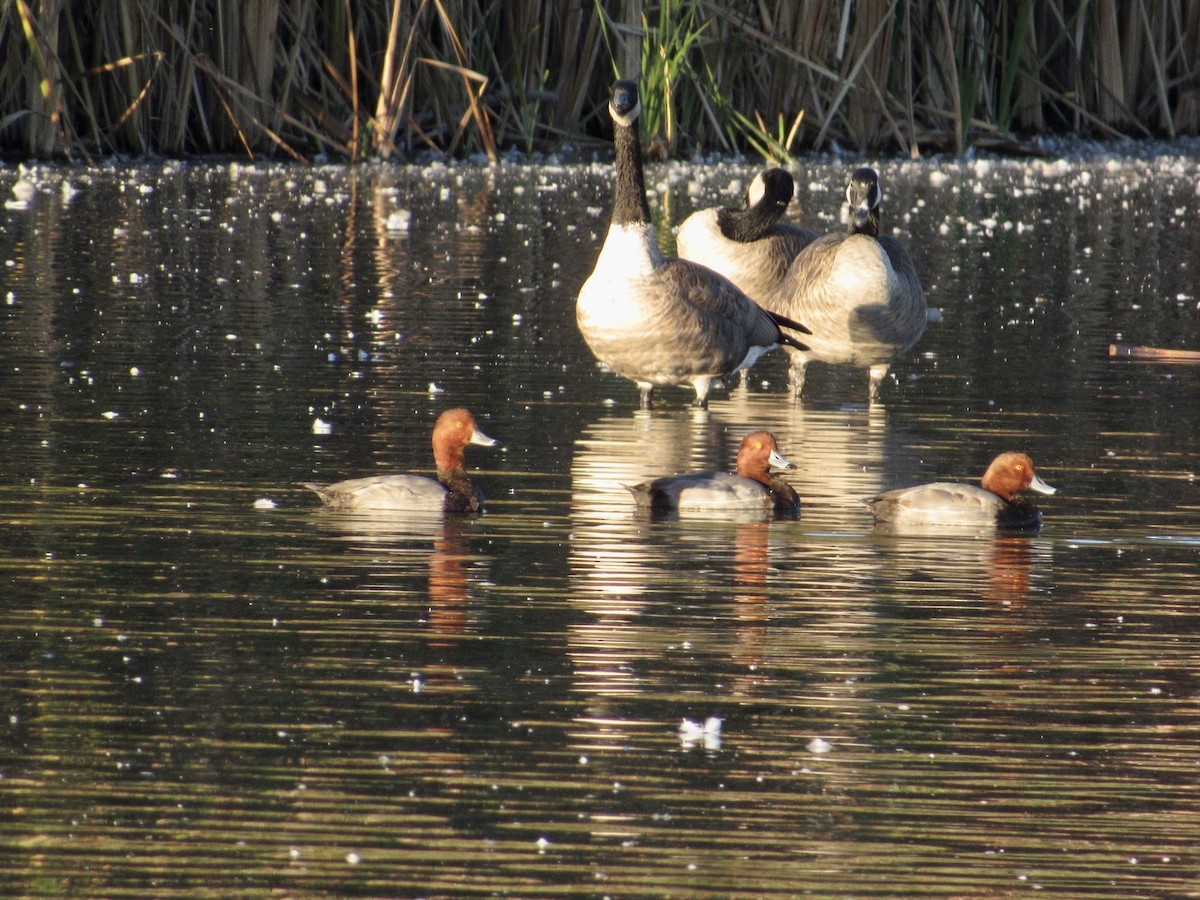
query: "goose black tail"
785, 338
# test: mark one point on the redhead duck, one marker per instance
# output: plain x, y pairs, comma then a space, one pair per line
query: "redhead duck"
995, 502
750, 246
753, 487
452, 492
858, 291
658, 320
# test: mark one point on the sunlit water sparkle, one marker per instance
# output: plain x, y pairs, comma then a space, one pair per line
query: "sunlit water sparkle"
204, 698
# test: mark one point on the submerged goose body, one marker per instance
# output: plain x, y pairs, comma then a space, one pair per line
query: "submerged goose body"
658, 320
752, 487
995, 502
453, 491
750, 246
858, 291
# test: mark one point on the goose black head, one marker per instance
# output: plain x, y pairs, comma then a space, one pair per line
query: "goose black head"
773, 187
624, 104
767, 200
864, 196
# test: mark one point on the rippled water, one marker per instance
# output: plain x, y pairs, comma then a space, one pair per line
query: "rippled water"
202, 698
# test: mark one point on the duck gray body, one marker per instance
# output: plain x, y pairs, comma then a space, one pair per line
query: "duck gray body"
397, 492
953, 504
453, 490
753, 487
995, 502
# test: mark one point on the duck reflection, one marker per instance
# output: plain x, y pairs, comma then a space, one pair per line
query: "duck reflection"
751, 562
623, 564
1008, 580
396, 546
448, 567
1003, 570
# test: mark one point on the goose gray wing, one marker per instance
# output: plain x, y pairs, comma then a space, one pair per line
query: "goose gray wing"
909, 312
709, 300
846, 288
763, 264
790, 239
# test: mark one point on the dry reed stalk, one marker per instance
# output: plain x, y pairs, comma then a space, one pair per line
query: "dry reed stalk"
579, 42
1028, 112
246, 57
1187, 67
629, 18
1155, 41
476, 110
396, 81
352, 64
179, 111
1168, 354
914, 150
177, 76
323, 97
864, 53
46, 124
948, 68
1110, 93
775, 73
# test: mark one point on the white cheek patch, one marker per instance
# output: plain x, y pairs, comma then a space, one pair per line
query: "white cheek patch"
874, 196
629, 118
758, 189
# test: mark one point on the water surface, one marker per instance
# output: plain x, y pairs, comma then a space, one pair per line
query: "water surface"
203, 698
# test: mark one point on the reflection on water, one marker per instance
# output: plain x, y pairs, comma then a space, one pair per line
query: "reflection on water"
395, 547
201, 697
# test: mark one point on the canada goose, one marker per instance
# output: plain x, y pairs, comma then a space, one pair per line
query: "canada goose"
658, 320
753, 487
858, 291
452, 492
995, 502
749, 245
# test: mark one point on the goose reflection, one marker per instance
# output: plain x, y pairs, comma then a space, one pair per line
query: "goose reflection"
623, 566
609, 555
841, 451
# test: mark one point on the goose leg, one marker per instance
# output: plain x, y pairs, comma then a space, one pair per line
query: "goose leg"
878, 373
796, 377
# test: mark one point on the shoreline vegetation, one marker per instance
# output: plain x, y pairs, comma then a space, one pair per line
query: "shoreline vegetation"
398, 79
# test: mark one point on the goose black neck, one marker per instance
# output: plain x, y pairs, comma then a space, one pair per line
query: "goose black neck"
867, 224
747, 225
629, 206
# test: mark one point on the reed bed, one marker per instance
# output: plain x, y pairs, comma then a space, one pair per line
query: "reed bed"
390, 79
